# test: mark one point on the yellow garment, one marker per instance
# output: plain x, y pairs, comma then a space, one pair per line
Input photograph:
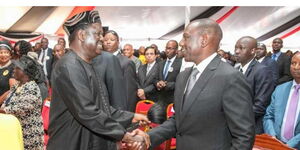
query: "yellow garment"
10, 133
142, 59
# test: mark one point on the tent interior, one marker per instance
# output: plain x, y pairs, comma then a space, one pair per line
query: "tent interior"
144, 25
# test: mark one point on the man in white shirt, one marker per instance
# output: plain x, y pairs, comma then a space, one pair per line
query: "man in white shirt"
257, 76
147, 75
168, 71
46, 57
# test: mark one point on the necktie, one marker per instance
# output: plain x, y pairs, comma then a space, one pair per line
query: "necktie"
241, 70
148, 69
191, 82
291, 114
274, 57
165, 73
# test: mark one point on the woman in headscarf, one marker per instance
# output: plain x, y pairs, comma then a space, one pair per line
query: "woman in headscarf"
24, 102
6, 70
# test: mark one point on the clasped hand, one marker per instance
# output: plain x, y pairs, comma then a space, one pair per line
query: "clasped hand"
136, 140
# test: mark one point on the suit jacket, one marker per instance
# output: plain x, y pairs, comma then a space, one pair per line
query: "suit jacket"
109, 69
147, 83
166, 95
217, 114
272, 64
80, 115
275, 113
284, 63
49, 61
262, 86
129, 74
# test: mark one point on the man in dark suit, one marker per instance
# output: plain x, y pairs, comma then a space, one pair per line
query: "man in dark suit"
260, 55
146, 76
168, 71
212, 100
111, 44
257, 76
282, 60
109, 69
46, 57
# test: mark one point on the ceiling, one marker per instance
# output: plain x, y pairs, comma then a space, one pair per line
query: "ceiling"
143, 25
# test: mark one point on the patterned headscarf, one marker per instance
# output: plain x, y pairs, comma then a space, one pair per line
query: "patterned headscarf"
87, 17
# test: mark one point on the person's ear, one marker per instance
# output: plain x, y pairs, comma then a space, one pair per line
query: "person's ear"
204, 41
81, 34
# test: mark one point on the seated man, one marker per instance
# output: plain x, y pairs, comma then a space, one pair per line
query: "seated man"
282, 116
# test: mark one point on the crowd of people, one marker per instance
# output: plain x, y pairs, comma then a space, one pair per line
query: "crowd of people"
221, 100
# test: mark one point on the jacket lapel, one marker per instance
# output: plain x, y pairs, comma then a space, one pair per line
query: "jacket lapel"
183, 82
283, 101
200, 84
252, 64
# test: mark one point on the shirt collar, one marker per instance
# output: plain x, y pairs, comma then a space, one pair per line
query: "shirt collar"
246, 66
277, 54
204, 63
172, 59
116, 52
261, 59
151, 64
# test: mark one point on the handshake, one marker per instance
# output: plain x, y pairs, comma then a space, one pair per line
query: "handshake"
136, 139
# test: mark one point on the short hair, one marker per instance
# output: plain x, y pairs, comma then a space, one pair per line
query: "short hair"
79, 27
150, 47
24, 47
157, 113
175, 43
113, 33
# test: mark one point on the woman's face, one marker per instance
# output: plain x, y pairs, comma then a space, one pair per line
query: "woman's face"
18, 74
111, 42
5, 55
17, 50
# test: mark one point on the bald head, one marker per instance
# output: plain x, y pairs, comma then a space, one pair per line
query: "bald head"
59, 51
209, 27
245, 49
201, 38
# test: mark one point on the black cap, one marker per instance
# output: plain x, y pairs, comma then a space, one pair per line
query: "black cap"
87, 17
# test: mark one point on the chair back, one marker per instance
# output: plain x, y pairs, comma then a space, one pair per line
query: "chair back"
143, 106
267, 142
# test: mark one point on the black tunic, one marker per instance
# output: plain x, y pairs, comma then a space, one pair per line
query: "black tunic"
5, 74
80, 115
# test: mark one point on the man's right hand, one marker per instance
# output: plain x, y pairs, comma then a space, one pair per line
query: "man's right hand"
134, 141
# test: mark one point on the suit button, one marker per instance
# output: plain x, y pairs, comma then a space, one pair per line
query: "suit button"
179, 134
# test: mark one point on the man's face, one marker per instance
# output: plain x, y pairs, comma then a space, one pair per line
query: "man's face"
111, 42
128, 51
277, 44
150, 55
171, 49
44, 43
142, 50
59, 51
244, 52
94, 40
37, 47
295, 67
190, 44
260, 51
